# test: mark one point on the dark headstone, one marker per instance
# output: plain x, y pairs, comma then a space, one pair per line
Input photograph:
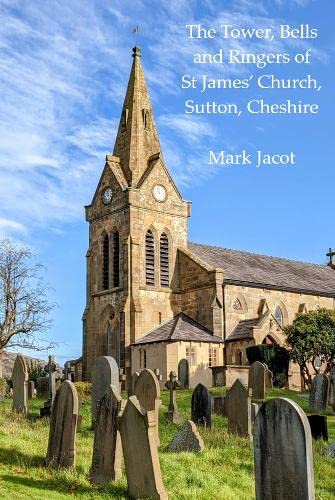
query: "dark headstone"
183, 373
319, 393
187, 439
46, 410
173, 414
219, 406
258, 374
283, 452
319, 426
201, 406
238, 409
330, 450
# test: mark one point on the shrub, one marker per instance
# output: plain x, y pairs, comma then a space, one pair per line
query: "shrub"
275, 357
84, 390
3, 387
36, 370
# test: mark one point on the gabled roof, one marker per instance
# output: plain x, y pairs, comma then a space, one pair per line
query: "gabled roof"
244, 329
268, 272
180, 327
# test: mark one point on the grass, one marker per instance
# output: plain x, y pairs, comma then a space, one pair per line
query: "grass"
223, 471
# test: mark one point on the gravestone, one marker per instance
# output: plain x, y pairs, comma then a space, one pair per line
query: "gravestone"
63, 423
107, 449
257, 380
42, 386
46, 410
158, 374
254, 411
219, 406
105, 373
319, 393
319, 426
201, 406
31, 389
187, 439
283, 452
330, 450
133, 381
148, 393
184, 374
238, 409
20, 385
139, 443
173, 414
268, 378
67, 371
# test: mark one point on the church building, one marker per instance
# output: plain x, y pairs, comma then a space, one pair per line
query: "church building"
156, 300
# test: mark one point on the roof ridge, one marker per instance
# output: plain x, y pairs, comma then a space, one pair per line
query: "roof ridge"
257, 254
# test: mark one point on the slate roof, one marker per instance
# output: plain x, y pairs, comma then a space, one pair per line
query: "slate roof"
181, 327
268, 272
243, 330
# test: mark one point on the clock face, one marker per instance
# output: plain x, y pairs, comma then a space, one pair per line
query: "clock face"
159, 193
107, 195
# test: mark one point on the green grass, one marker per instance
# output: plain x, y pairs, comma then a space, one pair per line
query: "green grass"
223, 471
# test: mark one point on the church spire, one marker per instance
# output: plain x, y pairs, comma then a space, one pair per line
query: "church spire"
137, 137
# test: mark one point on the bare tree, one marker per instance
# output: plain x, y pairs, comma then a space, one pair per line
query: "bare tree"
24, 305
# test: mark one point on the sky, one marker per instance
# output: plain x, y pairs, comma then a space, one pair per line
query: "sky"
63, 75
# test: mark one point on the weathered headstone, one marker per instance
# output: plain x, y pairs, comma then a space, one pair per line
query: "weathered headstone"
172, 384
268, 378
184, 374
283, 452
46, 410
148, 393
254, 411
139, 444
319, 426
31, 389
42, 387
61, 447
238, 409
219, 406
133, 382
158, 374
107, 449
20, 385
257, 380
319, 393
330, 450
187, 439
201, 406
105, 373
67, 371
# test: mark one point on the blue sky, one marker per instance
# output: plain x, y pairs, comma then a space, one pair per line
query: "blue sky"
64, 70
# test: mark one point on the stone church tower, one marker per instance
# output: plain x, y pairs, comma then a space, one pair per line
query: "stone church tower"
137, 221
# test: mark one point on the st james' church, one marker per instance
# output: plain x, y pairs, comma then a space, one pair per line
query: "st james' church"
153, 298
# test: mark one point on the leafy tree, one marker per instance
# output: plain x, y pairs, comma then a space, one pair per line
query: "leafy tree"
24, 306
275, 357
312, 336
36, 370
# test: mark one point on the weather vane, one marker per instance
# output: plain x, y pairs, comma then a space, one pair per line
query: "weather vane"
136, 31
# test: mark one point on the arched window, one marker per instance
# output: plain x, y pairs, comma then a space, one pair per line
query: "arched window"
279, 315
149, 258
105, 263
164, 260
116, 258
237, 304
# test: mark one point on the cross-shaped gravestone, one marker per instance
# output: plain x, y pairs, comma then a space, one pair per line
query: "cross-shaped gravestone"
331, 254
46, 410
172, 384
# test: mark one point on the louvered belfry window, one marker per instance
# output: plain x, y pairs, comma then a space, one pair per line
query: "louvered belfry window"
164, 260
105, 263
116, 259
149, 259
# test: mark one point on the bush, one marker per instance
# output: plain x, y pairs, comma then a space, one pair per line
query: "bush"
3, 387
275, 357
36, 370
84, 390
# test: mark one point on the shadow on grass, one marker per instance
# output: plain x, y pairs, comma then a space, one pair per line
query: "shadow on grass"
64, 486
13, 456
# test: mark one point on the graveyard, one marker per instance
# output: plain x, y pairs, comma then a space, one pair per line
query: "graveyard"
224, 469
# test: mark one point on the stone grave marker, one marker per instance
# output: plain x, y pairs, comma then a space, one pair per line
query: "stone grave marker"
219, 406
46, 410
254, 411
257, 380
67, 371
158, 374
319, 393
268, 377
20, 385
139, 444
187, 439
319, 426
184, 374
283, 452
107, 449
105, 373
42, 386
63, 423
330, 450
148, 393
31, 389
173, 414
133, 381
238, 409
201, 406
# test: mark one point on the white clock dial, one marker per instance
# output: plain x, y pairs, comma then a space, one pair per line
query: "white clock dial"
107, 195
159, 193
